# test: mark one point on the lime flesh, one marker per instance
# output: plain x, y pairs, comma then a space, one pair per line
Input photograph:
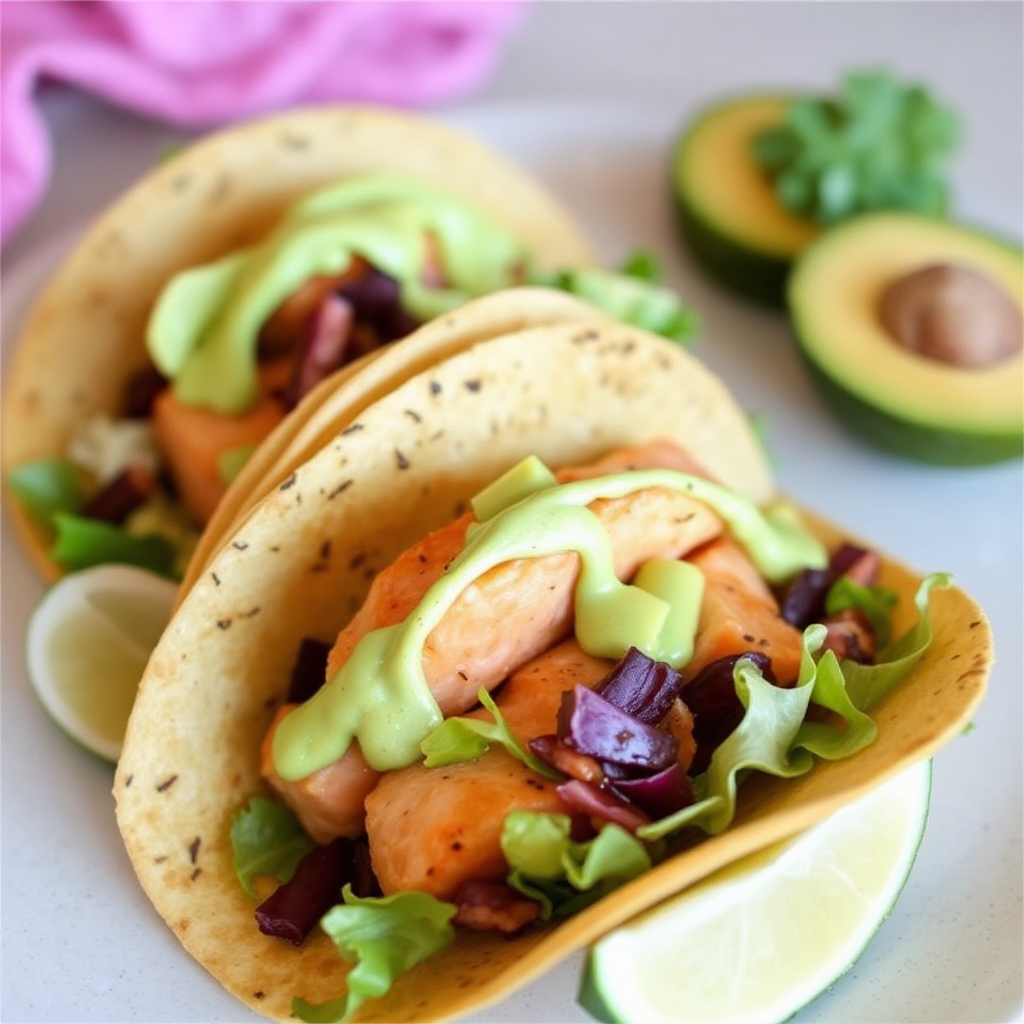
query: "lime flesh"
762, 938
89, 640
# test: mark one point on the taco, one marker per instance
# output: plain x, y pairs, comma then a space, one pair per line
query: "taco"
541, 821
205, 306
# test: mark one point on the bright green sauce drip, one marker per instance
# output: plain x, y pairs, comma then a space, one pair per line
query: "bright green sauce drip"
203, 330
381, 696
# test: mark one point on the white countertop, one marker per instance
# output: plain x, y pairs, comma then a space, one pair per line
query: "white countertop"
590, 95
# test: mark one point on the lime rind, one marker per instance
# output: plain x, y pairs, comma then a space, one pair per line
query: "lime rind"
816, 901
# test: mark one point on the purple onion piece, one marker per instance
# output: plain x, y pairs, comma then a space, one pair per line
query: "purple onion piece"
601, 803
803, 601
660, 794
641, 686
119, 498
325, 348
373, 295
712, 700
309, 672
293, 910
140, 393
552, 751
590, 724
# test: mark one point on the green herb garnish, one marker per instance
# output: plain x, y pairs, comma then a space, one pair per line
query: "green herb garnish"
879, 145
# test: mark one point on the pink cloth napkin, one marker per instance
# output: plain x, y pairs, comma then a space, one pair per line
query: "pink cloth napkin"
202, 63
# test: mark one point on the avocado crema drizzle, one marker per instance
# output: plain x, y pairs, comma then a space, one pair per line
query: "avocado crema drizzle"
203, 331
381, 697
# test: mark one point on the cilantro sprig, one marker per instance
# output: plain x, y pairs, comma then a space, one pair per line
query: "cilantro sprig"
879, 144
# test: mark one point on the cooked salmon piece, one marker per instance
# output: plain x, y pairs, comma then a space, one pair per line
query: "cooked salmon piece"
739, 613
510, 615
329, 802
431, 829
193, 438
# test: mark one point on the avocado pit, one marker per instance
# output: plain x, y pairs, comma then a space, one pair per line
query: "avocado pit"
953, 314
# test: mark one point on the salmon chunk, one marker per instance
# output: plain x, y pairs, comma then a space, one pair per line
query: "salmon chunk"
192, 439
739, 613
510, 615
431, 829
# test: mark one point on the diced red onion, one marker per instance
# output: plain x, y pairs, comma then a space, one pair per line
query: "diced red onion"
717, 710
660, 794
803, 601
552, 751
293, 910
602, 804
590, 724
330, 330
140, 392
641, 686
119, 498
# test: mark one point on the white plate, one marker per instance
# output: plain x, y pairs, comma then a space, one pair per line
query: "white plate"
80, 941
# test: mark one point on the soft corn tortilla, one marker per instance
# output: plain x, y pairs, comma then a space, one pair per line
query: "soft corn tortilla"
85, 334
300, 564
337, 401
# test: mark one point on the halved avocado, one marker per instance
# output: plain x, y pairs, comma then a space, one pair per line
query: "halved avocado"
726, 206
904, 402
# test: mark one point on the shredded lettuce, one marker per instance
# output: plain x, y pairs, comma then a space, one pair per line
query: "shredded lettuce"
266, 839
547, 865
465, 739
46, 487
82, 542
631, 295
775, 736
778, 735
385, 937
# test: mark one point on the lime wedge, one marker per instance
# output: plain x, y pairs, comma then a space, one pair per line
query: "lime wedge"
89, 639
760, 939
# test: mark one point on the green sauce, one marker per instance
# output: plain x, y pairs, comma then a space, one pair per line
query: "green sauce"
203, 330
381, 696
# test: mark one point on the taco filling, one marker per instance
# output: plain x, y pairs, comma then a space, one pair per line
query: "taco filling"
543, 699
235, 344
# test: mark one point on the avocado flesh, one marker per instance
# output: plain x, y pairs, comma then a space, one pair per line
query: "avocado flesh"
726, 208
900, 401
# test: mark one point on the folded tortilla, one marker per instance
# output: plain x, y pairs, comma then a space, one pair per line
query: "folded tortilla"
300, 563
84, 337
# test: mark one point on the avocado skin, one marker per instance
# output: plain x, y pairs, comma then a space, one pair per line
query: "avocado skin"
759, 277
910, 440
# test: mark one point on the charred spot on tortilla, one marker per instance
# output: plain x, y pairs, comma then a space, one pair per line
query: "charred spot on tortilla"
240, 545
352, 428
162, 787
193, 849
215, 578
472, 385
401, 462
413, 415
224, 623
340, 489
290, 482
435, 387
